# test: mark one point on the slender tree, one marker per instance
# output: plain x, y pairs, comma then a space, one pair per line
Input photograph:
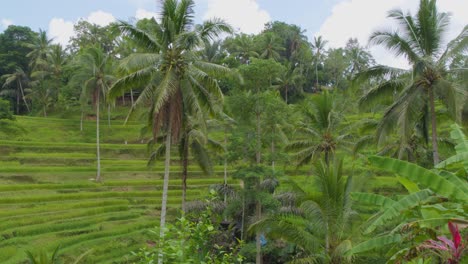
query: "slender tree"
318, 47
95, 73
175, 80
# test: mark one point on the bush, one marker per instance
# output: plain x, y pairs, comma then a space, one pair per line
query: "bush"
191, 241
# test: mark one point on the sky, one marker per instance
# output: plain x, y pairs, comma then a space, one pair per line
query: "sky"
335, 20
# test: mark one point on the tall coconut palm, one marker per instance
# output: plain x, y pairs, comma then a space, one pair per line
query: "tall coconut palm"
175, 80
419, 39
95, 73
40, 48
20, 79
318, 46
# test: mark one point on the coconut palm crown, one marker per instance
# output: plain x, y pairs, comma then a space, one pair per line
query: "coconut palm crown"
420, 40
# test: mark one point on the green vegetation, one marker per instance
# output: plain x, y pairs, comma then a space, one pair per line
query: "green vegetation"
262, 148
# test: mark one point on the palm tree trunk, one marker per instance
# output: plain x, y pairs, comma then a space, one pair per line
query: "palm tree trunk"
272, 154
17, 102
225, 167
316, 75
259, 257
81, 120
22, 95
108, 115
286, 95
131, 96
258, 154
98, 152
435, 146
167, 163
184, 172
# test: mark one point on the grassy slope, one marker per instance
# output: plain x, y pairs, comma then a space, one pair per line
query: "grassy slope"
47, 196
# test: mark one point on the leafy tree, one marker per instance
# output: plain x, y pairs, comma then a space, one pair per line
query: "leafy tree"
292, 37
13, 48
88, 34
176, 81
335, 66
419, 40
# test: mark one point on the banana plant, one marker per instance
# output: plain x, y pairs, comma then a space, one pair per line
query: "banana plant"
435, 198
461, 149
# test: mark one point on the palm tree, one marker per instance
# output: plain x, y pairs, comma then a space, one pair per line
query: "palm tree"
290, 80
316, 222
21, 80
40, 48
242, 47
176, 81
194, 140
420, 40
318, 46
95, 74
321, 131
270, 47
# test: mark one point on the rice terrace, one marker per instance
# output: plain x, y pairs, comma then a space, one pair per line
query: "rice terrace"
247, 131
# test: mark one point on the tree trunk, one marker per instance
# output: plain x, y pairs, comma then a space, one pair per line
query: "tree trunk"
272, 154
435, 146
316, 75
98, 153
225, 167
243, 215
44, 109
184, 172
258, 244
108, 116
22, 95
167, 163
17, 102
131, 96
286, 95
81, 121
258, 154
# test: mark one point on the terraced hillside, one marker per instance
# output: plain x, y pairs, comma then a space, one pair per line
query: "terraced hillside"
48, 196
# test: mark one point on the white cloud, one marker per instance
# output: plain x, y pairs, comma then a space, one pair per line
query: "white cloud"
143, 13
244, 15
60, 30
359, 18
6, 22
100, 18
